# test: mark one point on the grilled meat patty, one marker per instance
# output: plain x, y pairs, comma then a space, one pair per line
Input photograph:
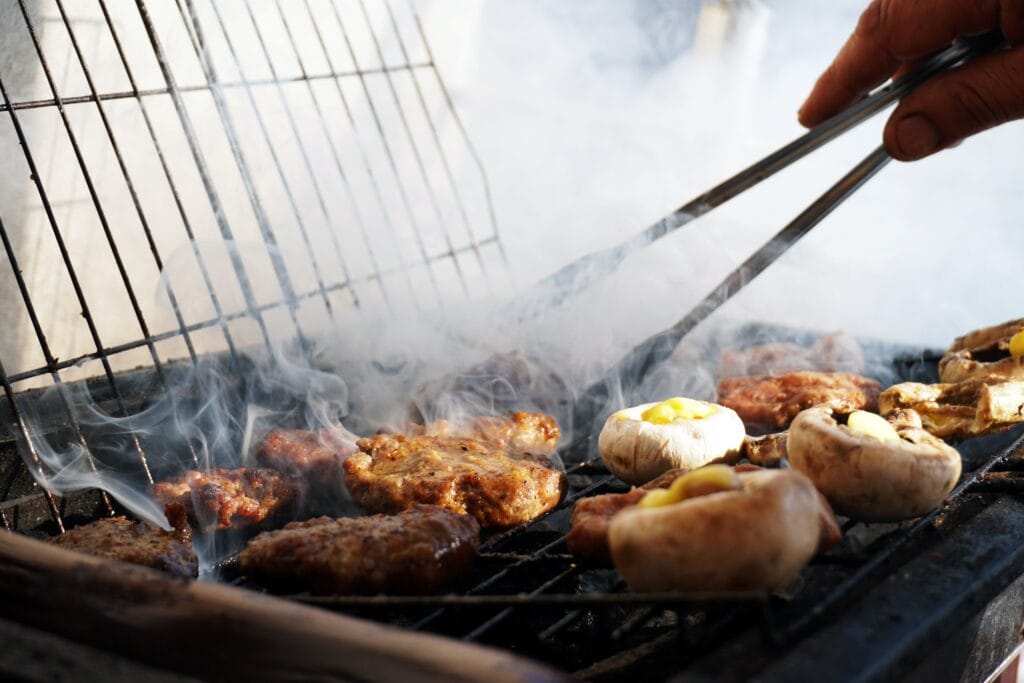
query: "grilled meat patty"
770, 403
420, 550
497, 485
119, 538
591, 517
836, 352
313, 456
222, 498
521, 432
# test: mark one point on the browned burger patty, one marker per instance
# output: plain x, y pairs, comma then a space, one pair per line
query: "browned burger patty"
314, 456
588, 535
119, 538
770, 403
521, 432
420, 550
497, 486
223, 498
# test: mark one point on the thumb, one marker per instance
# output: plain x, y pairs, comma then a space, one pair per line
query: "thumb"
951, 106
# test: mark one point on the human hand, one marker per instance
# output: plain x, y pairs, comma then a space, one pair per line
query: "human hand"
893, 36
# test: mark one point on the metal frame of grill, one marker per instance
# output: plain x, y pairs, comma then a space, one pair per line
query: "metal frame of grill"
527, 594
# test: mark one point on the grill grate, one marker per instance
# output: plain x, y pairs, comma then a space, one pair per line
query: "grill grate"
156, 130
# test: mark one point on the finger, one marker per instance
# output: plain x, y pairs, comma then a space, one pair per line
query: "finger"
954, 105
893, 31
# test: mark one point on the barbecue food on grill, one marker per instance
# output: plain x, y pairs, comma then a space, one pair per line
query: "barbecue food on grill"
961, 410
989, 352
588, 535
313, 457
521, 432
501, 383
491, 481
724, 531
639, 443
420, 550
223, 498
765, 451
869, 469
770, 403
119, 538
836, 352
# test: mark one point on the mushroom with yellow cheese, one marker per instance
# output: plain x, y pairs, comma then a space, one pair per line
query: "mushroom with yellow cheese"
638, 444
716, 529
869, 469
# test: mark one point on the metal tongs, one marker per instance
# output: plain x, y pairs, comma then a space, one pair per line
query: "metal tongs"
580, 274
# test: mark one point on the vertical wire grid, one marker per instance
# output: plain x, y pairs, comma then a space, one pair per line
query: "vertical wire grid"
375, 143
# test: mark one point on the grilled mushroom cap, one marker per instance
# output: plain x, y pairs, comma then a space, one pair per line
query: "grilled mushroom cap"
866, 478
983, 353
637, 451
758, 537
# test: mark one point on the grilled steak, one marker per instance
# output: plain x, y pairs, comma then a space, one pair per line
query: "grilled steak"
498, 486
315, 457
223, 498
419, 550
119, 538
588, 535
771, 403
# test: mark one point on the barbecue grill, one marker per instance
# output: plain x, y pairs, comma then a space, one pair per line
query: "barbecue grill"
236, 116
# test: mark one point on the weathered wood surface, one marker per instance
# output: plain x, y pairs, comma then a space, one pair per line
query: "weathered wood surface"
219, 632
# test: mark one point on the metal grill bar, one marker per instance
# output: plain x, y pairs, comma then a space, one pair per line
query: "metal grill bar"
453, 186
403, 194
220, 321
175, 194
65, 256
411, 138
192, 25
225, 85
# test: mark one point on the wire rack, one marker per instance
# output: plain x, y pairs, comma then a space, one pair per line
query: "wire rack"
265, 166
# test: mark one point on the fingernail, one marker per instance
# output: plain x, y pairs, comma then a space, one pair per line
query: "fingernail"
916, 136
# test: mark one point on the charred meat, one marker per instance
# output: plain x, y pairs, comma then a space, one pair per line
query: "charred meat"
521, 432
765, 451
588, 535
836, 352
223, 498
119, 538
498, 486
420, 550
770, 403
315, 457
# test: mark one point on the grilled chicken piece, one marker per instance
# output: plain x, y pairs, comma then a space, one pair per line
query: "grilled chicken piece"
119, 538
588, 535
498, 486
770, 403
765, 451
521, 432
961, 410
315, 457
983, 353
836, 352
420, 550
222, 498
